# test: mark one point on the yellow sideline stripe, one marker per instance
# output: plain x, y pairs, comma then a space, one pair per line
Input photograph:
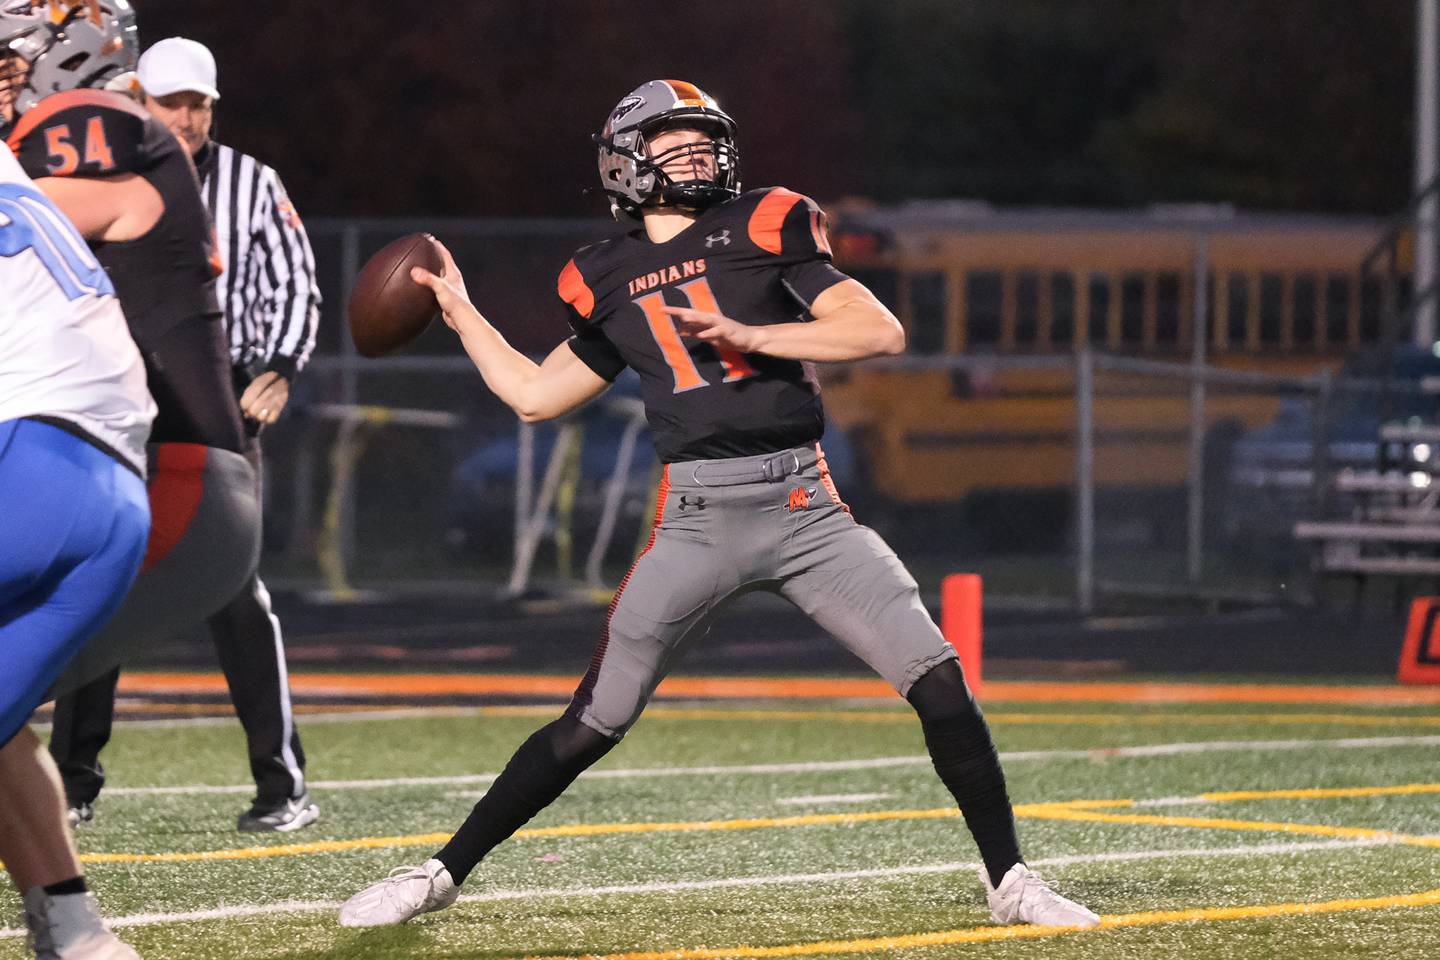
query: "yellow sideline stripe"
1089, 815
1428, 898
568, 830
1076, 810
1323, 793
1301, 793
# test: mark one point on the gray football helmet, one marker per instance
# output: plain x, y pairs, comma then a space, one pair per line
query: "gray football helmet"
64, 45
630, 177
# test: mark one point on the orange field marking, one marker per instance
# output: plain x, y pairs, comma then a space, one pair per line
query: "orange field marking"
800, 688
170, 709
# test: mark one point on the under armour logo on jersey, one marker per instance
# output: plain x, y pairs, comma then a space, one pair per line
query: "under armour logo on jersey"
721, 237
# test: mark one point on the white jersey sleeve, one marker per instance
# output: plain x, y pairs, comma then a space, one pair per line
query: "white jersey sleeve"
65, 350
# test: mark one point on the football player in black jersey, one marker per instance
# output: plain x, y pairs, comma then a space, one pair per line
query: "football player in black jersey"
130, 187
722, 301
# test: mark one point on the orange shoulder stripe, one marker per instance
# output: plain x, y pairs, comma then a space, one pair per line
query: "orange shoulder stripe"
769, 217
67, 100
574, 291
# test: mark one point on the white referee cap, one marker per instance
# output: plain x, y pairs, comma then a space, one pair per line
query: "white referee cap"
175, 64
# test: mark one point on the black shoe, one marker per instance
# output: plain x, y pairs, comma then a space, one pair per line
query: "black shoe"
80, 813
283, 817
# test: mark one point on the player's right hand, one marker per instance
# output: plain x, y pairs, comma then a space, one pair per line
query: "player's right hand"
448, 287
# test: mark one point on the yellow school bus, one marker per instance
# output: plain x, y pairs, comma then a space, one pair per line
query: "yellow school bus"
1285, 292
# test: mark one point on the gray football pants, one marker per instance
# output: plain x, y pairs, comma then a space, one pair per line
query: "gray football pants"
728, 527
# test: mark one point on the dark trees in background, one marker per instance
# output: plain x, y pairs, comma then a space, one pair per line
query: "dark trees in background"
485, 108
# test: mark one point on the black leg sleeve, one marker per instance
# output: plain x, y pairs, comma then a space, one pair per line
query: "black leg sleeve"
81, 729
539, 772
965, 758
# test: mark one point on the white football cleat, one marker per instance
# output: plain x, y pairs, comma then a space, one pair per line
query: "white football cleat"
68, 927
406, 893
1024, 897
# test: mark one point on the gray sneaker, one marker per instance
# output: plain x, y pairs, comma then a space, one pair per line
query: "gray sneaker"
80, 814
405, 894
283, 817
68, 927
1024, 897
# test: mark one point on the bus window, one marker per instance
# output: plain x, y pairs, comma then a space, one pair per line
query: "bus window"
1337, 310
1098, 323
1027, 309
1272, 297
1062, 310
927, 312
1237, 307
1306, 298
1132, 310
1370, 309
982, 298
1167, 311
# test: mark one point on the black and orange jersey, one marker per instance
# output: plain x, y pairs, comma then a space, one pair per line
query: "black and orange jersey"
164, 279
761, 259
167, 275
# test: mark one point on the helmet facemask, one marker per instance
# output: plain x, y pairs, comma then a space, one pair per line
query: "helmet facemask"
695, 174
689, 176
14, 71
17, 25
64, 45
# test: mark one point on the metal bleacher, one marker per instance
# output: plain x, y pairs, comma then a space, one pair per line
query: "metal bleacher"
1393, 522
1386, 521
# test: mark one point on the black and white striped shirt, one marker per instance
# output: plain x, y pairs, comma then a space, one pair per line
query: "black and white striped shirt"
268, 289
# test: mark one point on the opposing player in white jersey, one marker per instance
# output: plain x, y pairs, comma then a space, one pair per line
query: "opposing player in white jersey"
74, 417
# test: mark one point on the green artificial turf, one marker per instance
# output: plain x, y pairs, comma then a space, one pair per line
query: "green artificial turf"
538, 894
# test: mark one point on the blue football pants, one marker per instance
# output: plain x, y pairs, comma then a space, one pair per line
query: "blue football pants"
73, 528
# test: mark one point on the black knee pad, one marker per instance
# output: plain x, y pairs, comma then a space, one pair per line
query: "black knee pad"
573, 744
941, 695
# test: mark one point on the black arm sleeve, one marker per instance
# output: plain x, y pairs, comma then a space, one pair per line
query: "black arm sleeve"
810, 279
597, 352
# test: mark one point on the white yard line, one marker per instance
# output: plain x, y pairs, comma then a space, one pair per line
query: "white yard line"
834, 798
682, 886
1020, 756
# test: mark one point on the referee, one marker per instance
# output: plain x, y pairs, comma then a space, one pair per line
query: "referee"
271, 305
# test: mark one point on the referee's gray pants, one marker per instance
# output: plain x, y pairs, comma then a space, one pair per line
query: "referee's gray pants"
728, 527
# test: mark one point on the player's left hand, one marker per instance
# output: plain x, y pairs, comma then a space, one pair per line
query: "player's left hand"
717, 329
266, 396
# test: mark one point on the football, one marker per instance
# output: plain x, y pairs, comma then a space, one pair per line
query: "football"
387, 309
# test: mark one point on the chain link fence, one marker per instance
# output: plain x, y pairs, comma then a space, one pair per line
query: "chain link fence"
1079, 479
